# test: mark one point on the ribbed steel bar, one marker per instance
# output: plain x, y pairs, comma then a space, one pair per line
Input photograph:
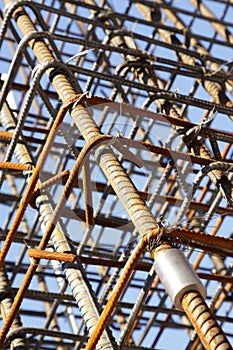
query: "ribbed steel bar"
115, 295
6, 303
26, 198
208, 330
46, 213
172, 57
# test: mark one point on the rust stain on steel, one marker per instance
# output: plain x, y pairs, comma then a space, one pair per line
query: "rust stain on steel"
24, 202
119, 288
32, 183
14, 166
50, 227
41, 254
202, 238
6, 135
204, 322
132, 75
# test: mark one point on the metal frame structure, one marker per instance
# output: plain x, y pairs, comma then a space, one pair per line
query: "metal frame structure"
116, 174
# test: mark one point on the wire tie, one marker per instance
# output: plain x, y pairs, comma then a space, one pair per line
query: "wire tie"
79, 99
82, 53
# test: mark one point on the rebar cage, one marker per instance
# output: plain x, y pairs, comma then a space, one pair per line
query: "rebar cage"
115, 130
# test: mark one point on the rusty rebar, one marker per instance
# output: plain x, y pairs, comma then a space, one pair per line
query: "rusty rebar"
31, 185
204, 322
171, 66
118, 290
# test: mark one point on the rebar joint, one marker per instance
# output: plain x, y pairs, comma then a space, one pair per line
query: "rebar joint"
176, 274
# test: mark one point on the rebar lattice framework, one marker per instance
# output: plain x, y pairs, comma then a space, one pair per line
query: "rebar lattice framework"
116, 174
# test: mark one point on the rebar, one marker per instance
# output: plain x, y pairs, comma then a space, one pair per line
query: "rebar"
115, 133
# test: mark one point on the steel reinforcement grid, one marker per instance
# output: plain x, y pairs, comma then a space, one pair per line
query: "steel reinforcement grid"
116, 174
